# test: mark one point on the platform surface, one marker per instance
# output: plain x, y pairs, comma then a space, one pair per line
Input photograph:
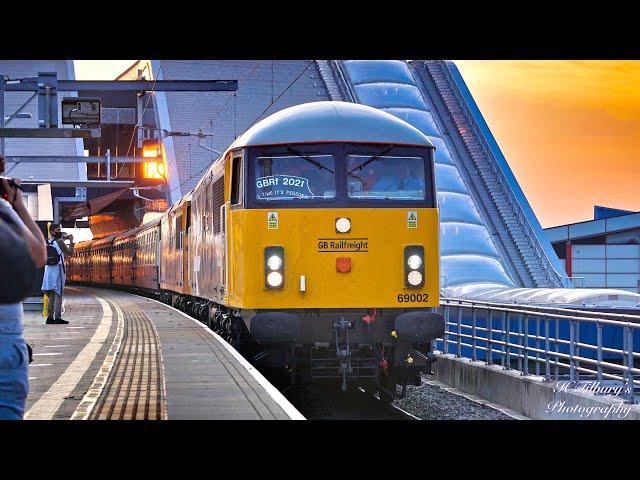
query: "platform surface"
123, 356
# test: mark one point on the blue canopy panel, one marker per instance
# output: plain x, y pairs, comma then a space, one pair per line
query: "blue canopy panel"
468, 252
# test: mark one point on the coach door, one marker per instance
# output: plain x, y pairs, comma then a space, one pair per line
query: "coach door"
235, 203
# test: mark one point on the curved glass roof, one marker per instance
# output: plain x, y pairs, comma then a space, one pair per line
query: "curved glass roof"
467, 249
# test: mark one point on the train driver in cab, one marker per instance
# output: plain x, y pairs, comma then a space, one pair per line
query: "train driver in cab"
402, 175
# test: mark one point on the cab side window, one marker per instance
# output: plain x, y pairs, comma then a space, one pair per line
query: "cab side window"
236, 180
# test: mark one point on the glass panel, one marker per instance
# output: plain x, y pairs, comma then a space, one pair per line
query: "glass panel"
393, 178
295, 177
235, 181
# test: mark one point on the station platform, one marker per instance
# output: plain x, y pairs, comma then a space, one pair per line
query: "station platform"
123, 356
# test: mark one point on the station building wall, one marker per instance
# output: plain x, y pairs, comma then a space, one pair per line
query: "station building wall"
607, 266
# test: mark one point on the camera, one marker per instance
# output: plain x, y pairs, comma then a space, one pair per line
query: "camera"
3, 193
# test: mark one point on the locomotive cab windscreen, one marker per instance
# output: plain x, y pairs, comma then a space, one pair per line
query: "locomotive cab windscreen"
332, 176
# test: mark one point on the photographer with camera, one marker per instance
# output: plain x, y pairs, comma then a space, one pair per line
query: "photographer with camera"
22, 253
55, 272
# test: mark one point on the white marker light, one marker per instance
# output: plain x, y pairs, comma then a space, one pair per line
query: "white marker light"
303, 283
414, 278
343, 225
274, 262
274, 279
414, 262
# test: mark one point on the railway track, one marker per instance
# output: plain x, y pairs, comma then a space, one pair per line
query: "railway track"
325, 402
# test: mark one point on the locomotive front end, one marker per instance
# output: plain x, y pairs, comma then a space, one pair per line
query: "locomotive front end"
340, 257
332, 236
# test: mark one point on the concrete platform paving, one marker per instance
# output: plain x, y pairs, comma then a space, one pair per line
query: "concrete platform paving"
124, 356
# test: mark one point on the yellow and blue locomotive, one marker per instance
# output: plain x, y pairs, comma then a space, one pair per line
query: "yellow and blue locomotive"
314, 238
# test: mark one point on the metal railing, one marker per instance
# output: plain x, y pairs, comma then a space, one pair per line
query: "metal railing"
550, 271
536, 337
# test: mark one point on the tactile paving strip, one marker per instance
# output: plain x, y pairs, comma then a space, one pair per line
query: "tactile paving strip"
135, 388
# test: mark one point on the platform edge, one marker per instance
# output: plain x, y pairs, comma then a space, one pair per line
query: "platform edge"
273, 392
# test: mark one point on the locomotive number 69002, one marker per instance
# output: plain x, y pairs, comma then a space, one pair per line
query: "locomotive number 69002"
413, 297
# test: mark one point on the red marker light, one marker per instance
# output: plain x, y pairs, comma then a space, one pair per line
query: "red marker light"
343, 264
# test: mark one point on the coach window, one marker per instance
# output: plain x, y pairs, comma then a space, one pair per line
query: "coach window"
236, 180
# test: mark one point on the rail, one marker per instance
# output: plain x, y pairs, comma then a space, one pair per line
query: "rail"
486, 328
512, 199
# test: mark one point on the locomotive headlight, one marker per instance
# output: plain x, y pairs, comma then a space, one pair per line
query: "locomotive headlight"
274, 262
274, 267
274, 279
414, 262
343, 225
414, 278
414, 266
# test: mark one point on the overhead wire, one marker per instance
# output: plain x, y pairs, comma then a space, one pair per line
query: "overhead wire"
220, 110
257, 118
139, 121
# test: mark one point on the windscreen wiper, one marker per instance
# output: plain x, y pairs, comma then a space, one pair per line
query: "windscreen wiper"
372, 159
308, 159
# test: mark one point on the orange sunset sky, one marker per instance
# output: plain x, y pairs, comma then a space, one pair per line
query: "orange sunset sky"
570, 130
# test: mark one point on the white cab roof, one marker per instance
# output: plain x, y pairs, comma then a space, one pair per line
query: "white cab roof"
331, 122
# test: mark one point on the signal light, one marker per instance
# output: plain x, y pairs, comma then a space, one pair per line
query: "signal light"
414, 266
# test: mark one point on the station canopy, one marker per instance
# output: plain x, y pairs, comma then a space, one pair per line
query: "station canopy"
96, 205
